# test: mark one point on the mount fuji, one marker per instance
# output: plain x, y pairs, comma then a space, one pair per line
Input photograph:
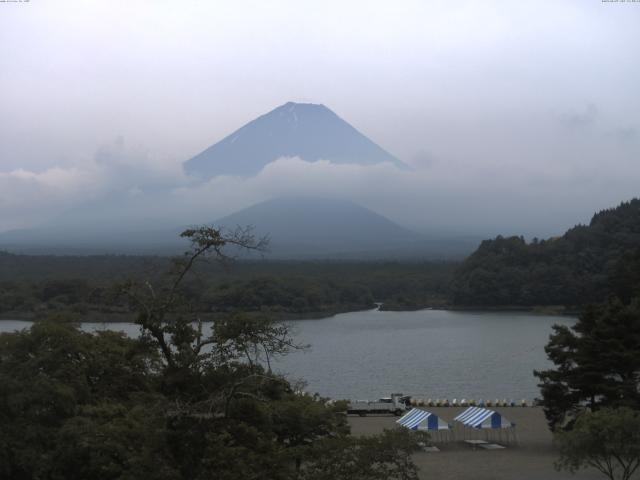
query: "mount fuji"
306, 130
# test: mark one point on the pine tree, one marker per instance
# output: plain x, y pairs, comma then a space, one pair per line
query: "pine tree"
597, 363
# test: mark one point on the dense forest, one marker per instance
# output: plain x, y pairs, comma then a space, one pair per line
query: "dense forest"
37, 286
585, 265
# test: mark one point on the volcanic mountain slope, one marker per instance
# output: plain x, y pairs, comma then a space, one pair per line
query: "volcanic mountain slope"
298, 228
318, 227
305, 130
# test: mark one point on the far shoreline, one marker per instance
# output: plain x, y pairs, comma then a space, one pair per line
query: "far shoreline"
102, 317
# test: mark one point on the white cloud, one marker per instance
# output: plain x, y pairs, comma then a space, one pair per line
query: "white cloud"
29, 198
516, 115
535, 178
461, 197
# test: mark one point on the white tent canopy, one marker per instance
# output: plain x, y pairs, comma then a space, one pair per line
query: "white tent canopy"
477, 417
417, 419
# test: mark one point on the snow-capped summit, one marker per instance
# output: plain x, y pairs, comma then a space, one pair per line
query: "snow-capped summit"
306, 130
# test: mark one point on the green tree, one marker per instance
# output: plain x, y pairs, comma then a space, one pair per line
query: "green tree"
179, 402
76, 405
51, 377
597, 363
586, 264
625, 279
381, 457
607, 440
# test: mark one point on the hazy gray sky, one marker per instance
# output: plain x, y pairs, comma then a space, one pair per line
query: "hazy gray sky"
515, 114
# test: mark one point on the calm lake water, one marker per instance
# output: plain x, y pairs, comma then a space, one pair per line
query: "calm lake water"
428, 353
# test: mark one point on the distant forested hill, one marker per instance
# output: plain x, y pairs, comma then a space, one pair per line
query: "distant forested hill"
36, 286
585, 265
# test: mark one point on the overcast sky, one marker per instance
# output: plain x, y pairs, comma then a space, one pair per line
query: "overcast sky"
522, 116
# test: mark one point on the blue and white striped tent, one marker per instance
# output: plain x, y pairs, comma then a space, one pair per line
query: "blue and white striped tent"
417, 419
478, 417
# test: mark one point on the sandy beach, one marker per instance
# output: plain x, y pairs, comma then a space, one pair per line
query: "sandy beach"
531, 459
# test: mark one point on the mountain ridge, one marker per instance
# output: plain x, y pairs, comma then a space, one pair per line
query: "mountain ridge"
304, 225
585, 265
299, 228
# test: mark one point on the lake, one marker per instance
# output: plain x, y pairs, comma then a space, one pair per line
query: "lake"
426, 353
